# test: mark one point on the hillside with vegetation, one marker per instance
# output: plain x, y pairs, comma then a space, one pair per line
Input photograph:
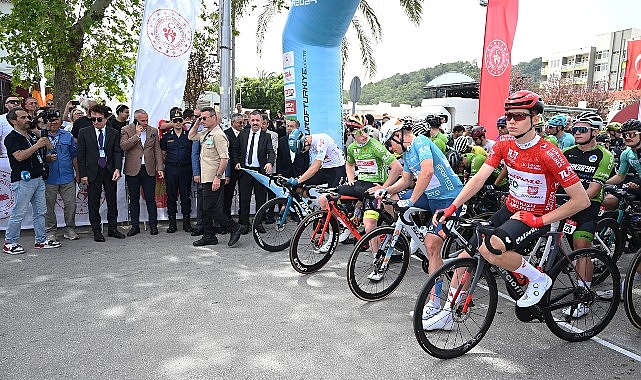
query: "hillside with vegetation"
408, 88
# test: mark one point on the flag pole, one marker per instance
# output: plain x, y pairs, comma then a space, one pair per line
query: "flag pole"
225, 61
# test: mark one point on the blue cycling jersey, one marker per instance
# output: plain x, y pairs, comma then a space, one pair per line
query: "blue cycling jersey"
629, 158
444, 183
566, 141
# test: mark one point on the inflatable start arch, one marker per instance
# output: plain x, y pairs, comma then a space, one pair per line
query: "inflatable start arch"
312, 63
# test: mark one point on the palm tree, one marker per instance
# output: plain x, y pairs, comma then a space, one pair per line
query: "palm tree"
413, 9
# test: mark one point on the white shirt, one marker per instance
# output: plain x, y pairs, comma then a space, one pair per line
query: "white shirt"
488, 145
255, 136
143, 138
5, 128
324, 149
104, 136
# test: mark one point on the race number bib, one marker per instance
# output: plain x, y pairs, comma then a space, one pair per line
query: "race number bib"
569, 227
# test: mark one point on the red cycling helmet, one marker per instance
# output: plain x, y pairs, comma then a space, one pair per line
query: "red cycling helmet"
478, 132
525, 99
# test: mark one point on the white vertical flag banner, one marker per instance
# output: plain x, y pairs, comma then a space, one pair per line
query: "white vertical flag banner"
166, 39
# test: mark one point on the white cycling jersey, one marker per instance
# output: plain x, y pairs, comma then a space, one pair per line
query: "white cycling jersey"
324, 148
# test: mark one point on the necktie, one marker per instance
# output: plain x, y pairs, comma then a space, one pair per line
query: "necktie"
251, 150
102, 161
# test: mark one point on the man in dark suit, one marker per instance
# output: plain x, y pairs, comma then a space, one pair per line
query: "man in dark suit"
253, 151
99, 163
237, 124
289, 164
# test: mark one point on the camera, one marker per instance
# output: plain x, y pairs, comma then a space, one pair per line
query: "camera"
433, 120
50, 114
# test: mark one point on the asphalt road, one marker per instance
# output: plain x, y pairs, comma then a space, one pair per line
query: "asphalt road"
155, 307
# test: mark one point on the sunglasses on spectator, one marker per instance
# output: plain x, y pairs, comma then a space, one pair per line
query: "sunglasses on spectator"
576, 130
12, 102
96, 119
630, 135
517, 116
177, 120
203, 118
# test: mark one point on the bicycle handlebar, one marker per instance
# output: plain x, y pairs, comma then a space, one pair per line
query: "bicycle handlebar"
480, 227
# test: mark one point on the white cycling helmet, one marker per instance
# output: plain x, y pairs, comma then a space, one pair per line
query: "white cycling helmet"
391, 126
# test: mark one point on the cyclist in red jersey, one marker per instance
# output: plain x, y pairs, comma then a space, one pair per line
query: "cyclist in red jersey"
536, 168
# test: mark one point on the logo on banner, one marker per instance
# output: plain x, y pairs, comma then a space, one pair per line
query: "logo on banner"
497, 58
288, 59
6, 200
288, 75
290, 91
290, 107
169, 32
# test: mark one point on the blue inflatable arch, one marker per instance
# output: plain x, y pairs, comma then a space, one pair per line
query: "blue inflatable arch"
312, 63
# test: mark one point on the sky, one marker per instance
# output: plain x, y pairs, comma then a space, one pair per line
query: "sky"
451, 30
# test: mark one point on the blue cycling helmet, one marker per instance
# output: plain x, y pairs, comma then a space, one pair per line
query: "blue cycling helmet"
558, 121
296, 141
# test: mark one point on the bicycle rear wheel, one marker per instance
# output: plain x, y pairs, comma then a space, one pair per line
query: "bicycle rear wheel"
468, 324
363, 263
311, 247
632, 291
608, 240
276, 236
565, 299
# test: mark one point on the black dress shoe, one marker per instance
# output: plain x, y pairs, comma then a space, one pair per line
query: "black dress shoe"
98, 236
205, 241
187, 227
133, 231
115, 233
196, 232
234, 235
153, 230
244, 229
260, 229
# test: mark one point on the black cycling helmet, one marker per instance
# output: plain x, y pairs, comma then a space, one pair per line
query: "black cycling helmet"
631, 125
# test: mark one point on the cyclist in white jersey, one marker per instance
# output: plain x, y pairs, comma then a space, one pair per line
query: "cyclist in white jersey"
327, 163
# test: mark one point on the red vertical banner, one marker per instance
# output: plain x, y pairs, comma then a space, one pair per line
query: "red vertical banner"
500, 26
632, 78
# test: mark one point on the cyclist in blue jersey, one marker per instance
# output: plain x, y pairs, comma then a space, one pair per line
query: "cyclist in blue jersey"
436, 183
556, 127
629, 159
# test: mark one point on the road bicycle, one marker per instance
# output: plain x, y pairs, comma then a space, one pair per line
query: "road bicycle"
316, 237
273, 230
627, 217
372, 276
632, 291
473, 294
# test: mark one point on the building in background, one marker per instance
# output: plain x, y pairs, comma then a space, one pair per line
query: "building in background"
602, 64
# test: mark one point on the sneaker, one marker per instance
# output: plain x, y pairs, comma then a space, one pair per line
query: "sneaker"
581, 310
344, 235
47, 244
430, 310
325, 247
375, 276
12, 248
71, 234
608, 294
441, 321
535, 291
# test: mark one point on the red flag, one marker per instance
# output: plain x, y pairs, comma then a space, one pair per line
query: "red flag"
500, 26
632, 79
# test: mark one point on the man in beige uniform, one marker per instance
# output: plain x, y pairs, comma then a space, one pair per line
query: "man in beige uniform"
214, 155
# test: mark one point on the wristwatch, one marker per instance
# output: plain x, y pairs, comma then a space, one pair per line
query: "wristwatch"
218, 175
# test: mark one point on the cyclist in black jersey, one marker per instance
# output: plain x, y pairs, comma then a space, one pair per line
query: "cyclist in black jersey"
593, 164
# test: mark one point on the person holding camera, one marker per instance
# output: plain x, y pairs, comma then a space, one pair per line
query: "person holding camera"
26, 158
120, 119
63, 176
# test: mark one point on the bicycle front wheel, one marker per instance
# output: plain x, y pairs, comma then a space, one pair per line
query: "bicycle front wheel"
368, 277
276, 236
313, 245
607, 239
447, 328
576, 313
632, 291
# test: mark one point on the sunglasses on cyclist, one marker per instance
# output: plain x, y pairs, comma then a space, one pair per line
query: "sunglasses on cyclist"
177, 120
575, 130
630, 135
517, 116
538, 130
96, 119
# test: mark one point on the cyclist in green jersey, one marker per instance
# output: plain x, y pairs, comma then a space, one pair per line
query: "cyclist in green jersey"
368, 160
593, 164
473, 162
540, 129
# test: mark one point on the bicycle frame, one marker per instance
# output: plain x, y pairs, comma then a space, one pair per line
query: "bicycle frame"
335, 212
406, 223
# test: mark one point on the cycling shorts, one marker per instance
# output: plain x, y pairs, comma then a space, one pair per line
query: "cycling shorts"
515, 234
330, 176
359, 190
430, 205
586, 222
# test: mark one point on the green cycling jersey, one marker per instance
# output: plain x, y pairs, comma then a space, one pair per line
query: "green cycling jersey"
371, 160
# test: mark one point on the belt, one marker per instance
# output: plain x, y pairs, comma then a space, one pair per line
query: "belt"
178, 165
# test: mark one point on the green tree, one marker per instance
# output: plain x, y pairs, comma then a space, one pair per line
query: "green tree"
203, 69
264, 92
85, 43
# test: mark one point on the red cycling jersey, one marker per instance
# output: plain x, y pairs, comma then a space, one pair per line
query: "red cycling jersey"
535, 171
